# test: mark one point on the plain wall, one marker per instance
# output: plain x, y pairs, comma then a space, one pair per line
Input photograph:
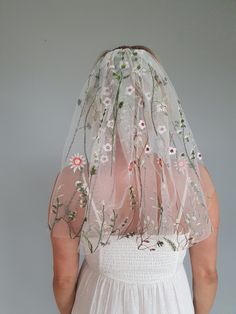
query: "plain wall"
46, 51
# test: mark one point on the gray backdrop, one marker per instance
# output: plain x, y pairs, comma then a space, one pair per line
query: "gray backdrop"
46, 50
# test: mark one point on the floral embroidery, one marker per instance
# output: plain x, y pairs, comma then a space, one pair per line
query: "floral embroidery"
161, 107
142, 124
129, 89
140, 102
186, 137
124, 65
161, 129
77, 183
77, 162
106, 91
83, 194
111, 65
147, 149
139, 120
107, 101
107, 147
110, 123
95, 157
138, 139
93, 170
132, 197
192, 153
131, 165
104, 158
181, 165
172, 150
199, 155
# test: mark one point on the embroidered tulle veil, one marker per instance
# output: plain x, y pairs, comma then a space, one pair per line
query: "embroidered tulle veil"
130, 166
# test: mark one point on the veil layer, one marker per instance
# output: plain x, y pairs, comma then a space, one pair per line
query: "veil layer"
130, 166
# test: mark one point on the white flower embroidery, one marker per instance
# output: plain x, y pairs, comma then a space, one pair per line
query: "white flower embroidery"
147, 149
106, 91
138, 138
186, 138
107, 147
129, 89
95, 157
142, 124
172, 150
161, 129
107, 101
78, 183
142, 70
111, 66
161, 107
77, 161
110, 123
104, 158
199, 155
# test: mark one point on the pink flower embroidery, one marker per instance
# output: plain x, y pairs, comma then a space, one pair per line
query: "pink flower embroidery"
131, 165
181, 165
77, 162
161, 129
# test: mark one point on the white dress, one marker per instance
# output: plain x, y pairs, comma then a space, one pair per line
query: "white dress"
120, 279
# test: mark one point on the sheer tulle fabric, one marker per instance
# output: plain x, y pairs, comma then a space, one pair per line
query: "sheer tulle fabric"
130, 165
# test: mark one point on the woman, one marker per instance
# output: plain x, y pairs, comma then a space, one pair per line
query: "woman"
134, 194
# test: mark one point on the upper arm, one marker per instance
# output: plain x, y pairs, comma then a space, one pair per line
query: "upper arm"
65, 248
65, 257
203, 255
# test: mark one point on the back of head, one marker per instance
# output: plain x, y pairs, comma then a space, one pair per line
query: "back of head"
131, 47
